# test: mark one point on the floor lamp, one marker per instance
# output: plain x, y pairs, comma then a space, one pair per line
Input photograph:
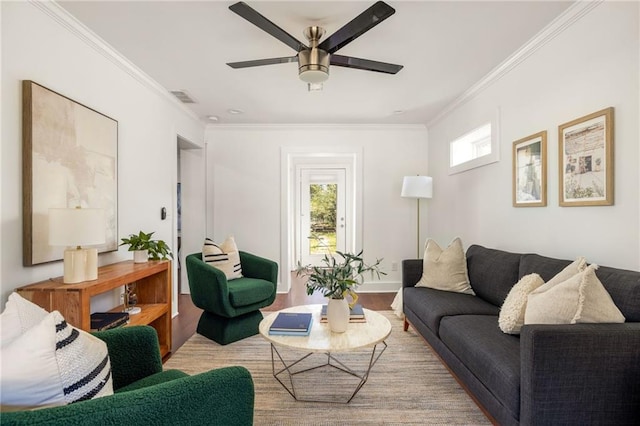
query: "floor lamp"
417, 187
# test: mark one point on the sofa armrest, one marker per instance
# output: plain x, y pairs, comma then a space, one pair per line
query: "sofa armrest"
411, 272
134, 353
258, 267
580, 374
218, 397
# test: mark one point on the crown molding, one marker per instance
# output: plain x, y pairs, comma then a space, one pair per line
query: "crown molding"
566, 19
319, 126
82, 32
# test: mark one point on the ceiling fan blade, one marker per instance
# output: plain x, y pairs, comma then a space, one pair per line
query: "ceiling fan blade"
358, 26
260, 62
364, 64
251, 15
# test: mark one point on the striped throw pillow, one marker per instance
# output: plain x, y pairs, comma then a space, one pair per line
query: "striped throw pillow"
223, 256
53, 363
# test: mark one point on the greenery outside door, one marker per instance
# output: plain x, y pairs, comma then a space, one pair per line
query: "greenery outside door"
323, 224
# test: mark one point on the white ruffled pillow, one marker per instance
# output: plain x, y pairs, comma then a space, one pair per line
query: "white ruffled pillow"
511, 318
445, 269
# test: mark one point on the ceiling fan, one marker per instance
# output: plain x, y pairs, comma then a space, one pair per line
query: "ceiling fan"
314, 60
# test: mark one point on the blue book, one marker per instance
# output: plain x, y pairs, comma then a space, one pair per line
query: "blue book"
291, 333
292, 322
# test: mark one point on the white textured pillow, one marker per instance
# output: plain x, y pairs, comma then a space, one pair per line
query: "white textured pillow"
575, 267
223, 256
580, 299
19, 316
511, 318
445, 269
53, 363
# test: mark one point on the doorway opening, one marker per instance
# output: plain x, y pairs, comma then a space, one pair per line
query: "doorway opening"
322, 226
321, 205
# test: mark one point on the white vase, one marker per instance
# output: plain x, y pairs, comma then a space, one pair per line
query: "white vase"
338, 315
140, 256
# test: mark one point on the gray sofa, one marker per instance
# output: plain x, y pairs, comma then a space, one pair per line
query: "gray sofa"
550, 374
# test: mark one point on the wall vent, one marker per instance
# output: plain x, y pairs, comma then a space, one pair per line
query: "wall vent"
183, 96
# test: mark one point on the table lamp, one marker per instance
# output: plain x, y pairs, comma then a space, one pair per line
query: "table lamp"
417, 187
76, 228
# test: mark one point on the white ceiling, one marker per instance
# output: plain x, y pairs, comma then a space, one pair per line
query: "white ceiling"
445, 47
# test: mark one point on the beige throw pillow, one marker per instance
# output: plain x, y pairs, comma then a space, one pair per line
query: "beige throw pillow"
445, 269
511, 318
225, 257
580, 299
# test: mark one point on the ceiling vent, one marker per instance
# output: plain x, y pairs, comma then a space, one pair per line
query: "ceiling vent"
183, 96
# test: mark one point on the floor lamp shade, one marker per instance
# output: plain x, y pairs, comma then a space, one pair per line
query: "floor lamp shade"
74, 228
417, 187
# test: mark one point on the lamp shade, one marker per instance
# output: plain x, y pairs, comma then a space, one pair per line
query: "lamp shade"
417, 187
76, 227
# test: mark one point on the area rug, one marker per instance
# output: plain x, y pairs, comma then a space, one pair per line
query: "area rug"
408, 384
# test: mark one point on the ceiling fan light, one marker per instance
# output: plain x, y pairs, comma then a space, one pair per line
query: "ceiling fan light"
313, 76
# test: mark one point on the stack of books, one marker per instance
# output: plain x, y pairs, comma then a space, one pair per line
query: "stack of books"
356, 314
291, 324
106, 320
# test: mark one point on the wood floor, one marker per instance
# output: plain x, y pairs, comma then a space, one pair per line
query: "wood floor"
184, 325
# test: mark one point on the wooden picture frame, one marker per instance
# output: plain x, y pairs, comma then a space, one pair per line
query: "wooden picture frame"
69, 159
530, 171
585, 160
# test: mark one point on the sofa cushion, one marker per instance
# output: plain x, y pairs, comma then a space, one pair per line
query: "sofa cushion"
546, 267
492, 272
492, 356
247, 291
154, 379
432, 305
624, 288
580, 299
511, 318
445, 269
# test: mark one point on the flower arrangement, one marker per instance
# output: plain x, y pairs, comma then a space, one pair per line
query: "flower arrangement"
338, 277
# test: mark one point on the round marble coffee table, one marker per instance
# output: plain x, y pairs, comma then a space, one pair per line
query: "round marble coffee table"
371, 333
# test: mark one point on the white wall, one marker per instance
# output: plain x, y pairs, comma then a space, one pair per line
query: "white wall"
244, 187
591, 65
36, 46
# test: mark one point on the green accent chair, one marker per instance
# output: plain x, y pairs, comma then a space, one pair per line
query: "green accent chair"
231, 307
146, 395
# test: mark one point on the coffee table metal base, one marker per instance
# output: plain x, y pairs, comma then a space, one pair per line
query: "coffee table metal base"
332, 361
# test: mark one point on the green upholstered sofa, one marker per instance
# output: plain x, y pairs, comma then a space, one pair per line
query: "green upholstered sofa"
231, 308
146, 395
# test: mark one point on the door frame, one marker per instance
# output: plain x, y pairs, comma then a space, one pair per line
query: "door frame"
351, 157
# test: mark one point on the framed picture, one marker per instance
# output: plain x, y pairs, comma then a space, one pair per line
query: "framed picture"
70, 159
530, 171
585, 160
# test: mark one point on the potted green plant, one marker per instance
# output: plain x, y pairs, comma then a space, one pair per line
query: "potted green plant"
337, 279
145, 248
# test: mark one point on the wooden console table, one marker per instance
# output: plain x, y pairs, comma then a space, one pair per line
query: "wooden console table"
74, 300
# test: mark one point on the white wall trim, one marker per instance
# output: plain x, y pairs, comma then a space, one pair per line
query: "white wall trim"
321, 126
82, 32
570, 16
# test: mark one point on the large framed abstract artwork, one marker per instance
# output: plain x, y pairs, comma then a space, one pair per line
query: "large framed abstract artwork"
530, 171
585, 160
70, 159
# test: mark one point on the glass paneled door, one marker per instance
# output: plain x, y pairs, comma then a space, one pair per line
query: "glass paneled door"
323, 223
